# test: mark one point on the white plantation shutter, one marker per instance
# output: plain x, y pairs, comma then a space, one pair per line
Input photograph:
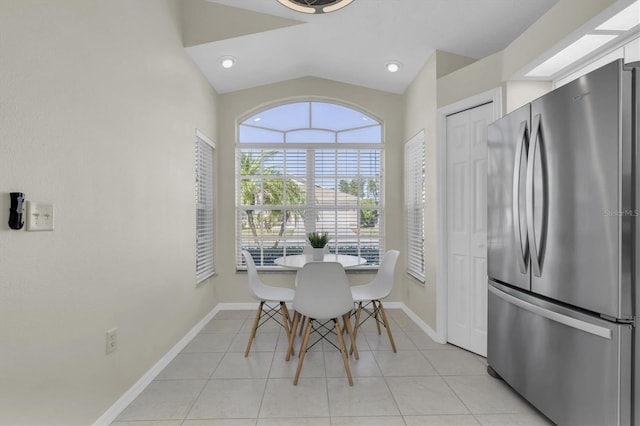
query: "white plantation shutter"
204, 208
414, 166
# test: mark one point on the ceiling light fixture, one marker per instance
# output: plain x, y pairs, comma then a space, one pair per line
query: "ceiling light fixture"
315, 6
393, 66
227, 61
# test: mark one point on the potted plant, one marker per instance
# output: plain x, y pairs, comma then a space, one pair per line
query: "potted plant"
318, 241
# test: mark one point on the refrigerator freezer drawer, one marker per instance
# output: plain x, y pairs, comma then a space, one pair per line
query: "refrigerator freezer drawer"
574, 368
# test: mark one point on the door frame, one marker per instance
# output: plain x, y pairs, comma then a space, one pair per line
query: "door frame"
442, 279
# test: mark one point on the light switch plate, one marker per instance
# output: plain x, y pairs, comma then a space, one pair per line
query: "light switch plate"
40, 216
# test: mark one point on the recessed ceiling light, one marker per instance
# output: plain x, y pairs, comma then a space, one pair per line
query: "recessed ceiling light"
393, 66
623, 21
582, 47
315, 6
227, 61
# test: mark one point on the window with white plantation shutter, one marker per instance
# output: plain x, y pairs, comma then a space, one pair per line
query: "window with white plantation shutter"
204, 208
309, 166
414, 169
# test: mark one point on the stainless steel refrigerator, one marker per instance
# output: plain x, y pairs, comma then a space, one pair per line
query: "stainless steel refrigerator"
563, 248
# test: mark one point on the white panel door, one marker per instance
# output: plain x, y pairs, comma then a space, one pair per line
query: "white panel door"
467, 228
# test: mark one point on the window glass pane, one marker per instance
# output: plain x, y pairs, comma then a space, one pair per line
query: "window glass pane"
325, 221
325, 164
296, 164
325, 192
273, 194
283, 117
272, 162
256, 162
337, 117
250, 190
368, 219
347, 162
348, 193
255, 135
295, 192
366, 135
369, 162
311, 136
371, 190
350, 186
295, 234
250, 162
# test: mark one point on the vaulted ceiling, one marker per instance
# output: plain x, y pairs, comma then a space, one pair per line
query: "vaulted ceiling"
272, 43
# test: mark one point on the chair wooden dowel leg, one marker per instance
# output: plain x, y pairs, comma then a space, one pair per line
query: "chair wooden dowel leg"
303, 351
302, 324
289, 318
375, 316
253, 330
387, 326
343, 351
292, 335
286, 323
357, 324
354, 348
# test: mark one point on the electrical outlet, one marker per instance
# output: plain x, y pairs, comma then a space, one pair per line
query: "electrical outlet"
112, 340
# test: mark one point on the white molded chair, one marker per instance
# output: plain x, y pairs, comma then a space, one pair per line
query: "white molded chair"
373, 292
308, 250
266, 293
322, 293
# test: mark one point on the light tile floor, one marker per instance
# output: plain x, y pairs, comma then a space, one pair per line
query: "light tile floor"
425, 383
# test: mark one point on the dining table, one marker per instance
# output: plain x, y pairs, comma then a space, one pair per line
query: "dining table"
297, 261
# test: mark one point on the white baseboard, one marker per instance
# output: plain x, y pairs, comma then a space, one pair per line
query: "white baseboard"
419, 322
249, 306
114, 411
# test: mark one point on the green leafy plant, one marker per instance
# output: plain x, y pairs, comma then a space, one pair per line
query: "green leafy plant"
318, 240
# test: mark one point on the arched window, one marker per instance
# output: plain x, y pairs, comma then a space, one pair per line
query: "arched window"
309, 166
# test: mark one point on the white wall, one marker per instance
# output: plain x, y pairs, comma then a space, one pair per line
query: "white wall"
231, 286
519, 93
99, 105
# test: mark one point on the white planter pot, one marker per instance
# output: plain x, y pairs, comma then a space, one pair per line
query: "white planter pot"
318, 254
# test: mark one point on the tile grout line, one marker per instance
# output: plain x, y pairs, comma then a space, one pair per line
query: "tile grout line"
266, 382
210, 375
395, 402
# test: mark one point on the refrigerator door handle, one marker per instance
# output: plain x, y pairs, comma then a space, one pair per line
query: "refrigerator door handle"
533, 146
517, 230
554, 316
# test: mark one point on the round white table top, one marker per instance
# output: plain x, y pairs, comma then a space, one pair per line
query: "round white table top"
297, 261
